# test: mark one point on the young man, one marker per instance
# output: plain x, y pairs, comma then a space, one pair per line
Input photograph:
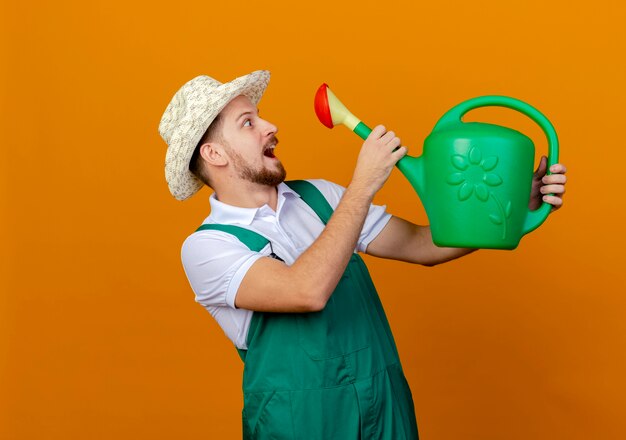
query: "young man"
276, 264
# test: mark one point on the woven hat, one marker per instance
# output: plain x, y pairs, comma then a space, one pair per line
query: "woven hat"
189, 114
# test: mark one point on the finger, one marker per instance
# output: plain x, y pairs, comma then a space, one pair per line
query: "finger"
388, 136
399, 153
394, 143
554, 178
377, 132
541, 168
552, 189
558, 168
555, 201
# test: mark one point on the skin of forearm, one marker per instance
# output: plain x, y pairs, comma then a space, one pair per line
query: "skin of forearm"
422, 250
319, 269
405, 241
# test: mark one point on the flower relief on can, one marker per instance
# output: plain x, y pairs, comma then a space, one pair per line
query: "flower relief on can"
474, 175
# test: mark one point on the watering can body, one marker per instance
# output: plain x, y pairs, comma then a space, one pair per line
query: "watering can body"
474, 179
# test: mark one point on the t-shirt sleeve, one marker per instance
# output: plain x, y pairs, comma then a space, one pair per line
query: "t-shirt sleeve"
377, 216
215, 264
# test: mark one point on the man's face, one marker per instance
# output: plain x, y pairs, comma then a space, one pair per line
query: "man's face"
249, 142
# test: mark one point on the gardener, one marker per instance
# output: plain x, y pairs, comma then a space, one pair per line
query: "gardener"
276, 265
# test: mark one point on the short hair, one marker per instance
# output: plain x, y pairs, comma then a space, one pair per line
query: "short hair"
212, 133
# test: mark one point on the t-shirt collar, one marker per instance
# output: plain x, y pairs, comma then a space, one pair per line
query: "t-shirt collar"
229, 214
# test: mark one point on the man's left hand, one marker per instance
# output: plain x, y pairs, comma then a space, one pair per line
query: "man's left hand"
543, 185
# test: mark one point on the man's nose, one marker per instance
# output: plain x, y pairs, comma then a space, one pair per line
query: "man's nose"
269, 128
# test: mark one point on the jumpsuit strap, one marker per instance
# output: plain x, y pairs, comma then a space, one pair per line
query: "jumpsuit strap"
312, 197
254, 241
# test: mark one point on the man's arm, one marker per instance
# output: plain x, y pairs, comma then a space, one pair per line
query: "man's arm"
405, 241
305, 286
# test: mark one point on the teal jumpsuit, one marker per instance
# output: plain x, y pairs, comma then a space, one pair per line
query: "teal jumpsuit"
333, 374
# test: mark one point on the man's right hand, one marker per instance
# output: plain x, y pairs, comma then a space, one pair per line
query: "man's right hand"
376, 160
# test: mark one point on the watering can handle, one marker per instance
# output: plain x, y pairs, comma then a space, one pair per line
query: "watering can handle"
453, 116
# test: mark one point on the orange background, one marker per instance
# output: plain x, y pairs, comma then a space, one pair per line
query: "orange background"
100, 337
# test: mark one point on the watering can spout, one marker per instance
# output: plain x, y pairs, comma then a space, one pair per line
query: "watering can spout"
331, 112
413, 170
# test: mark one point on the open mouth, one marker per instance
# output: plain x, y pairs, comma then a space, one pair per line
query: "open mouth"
269, 151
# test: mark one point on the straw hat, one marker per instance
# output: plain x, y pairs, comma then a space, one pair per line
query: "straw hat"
189, 114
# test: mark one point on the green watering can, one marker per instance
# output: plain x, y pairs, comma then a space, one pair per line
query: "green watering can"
473, 178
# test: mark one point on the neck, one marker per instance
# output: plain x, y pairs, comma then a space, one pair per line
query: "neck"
248, 195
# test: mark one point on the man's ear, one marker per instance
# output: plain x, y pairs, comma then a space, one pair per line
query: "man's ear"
213, 153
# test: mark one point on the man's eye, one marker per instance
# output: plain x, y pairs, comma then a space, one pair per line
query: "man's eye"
247, 123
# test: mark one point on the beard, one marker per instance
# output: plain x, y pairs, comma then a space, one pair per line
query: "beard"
262, 175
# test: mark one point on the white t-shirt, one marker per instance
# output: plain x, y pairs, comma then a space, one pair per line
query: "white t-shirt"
216, 262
